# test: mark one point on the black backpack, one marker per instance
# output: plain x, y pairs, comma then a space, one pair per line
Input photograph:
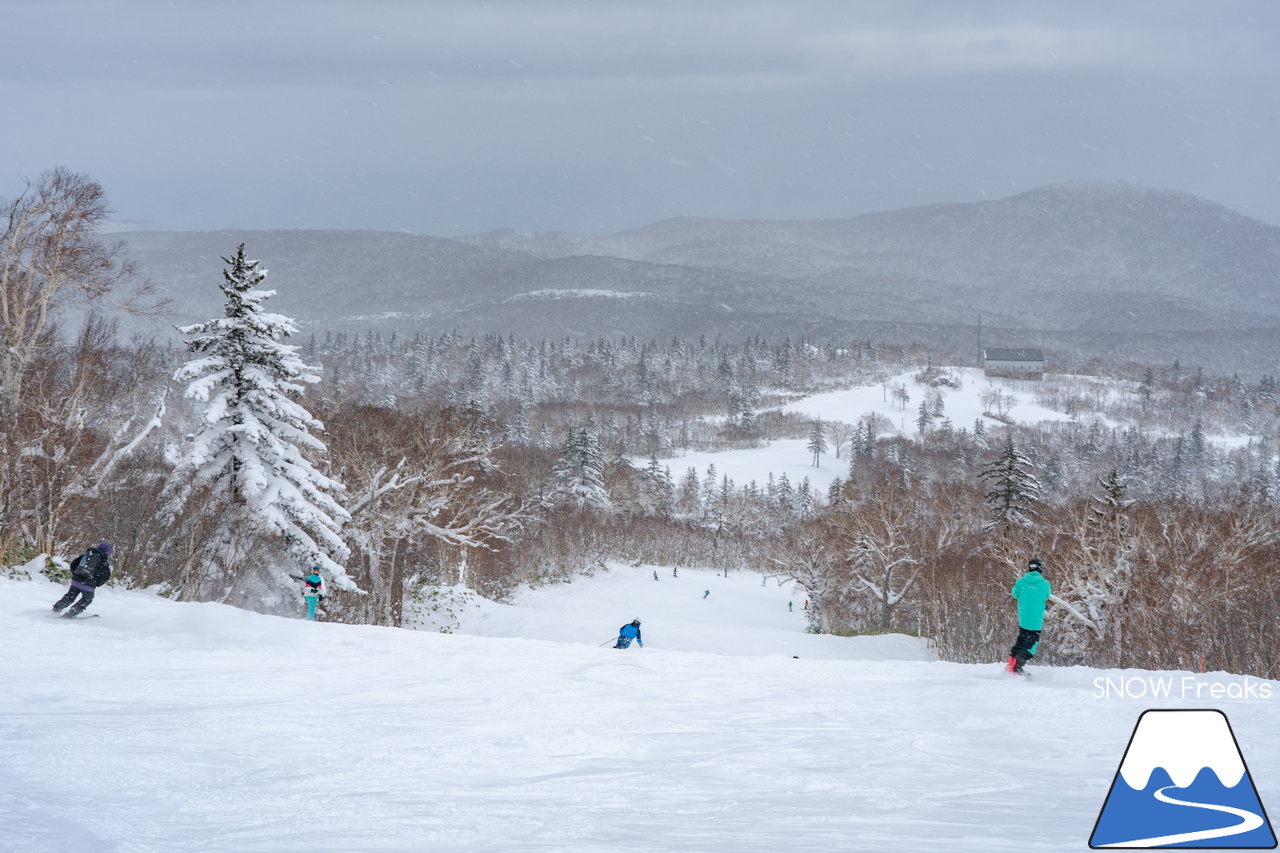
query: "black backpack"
94, 568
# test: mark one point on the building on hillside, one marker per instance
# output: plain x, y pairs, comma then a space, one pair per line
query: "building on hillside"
1023, 363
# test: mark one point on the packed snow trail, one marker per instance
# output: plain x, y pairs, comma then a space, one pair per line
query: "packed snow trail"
168, 726
742, 616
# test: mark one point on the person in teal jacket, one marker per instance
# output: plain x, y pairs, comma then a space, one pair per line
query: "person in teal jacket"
313, 591
1032, 592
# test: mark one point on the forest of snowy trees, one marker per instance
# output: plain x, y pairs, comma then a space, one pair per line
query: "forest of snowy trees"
407, 467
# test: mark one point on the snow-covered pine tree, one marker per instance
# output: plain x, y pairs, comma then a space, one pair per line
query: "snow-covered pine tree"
580, 472
817, 442
979, 433
1146, 389
520, 425
689, 498
747, 417
804, 500
254, 432
924, 418
1012, 488
785, 495
1107, 510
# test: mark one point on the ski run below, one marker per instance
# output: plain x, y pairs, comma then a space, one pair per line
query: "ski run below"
167, 727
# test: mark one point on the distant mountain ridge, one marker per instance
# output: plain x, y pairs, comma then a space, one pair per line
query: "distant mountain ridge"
1113, 270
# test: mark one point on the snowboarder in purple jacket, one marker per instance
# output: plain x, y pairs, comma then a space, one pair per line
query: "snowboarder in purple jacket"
88, 572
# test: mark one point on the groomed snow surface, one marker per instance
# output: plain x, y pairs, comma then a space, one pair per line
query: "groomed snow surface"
178, 727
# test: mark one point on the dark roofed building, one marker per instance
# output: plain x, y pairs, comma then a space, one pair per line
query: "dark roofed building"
1019, 363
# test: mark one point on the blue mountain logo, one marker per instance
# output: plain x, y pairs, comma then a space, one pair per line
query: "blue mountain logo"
1183, 783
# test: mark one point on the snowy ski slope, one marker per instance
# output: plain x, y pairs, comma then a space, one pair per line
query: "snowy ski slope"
165, 727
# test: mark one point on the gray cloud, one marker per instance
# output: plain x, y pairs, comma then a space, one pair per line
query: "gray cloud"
449, 117
310, 43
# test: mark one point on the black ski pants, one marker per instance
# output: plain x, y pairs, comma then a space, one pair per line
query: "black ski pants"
1025, 646
86, 593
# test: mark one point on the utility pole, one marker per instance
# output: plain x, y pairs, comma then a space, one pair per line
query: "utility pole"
979, 340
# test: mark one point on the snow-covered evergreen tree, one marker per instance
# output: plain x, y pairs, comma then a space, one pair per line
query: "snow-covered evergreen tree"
580, 472
817, 442
1107, 510
689, 499
924, 418
1012, 488
520, 425
250, 448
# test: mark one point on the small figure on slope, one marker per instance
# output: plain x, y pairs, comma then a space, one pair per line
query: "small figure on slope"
313, 591
629, 632
88, 572
1032, 592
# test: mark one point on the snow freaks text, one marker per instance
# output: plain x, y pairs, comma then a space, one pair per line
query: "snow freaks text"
1179, 687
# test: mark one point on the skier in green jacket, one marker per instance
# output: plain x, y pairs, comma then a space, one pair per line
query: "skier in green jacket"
1032, 592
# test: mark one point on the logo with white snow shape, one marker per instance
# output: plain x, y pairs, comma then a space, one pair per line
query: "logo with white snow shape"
1183, 783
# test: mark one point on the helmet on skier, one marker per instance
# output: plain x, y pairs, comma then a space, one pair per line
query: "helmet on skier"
635, 622
1035, 564
105, 547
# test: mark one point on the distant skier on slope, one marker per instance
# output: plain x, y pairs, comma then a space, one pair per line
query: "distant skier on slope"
627, 633
88, 572
1032, 592
313, 591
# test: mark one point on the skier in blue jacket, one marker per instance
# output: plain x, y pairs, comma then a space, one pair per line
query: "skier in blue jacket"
629, 632
1032, 592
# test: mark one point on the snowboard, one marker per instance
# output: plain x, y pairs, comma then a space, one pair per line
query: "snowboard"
81, 616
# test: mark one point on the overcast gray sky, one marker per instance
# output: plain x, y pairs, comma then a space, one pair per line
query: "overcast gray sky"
450, 118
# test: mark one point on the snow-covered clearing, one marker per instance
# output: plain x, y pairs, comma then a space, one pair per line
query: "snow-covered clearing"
165, 726
962, 405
